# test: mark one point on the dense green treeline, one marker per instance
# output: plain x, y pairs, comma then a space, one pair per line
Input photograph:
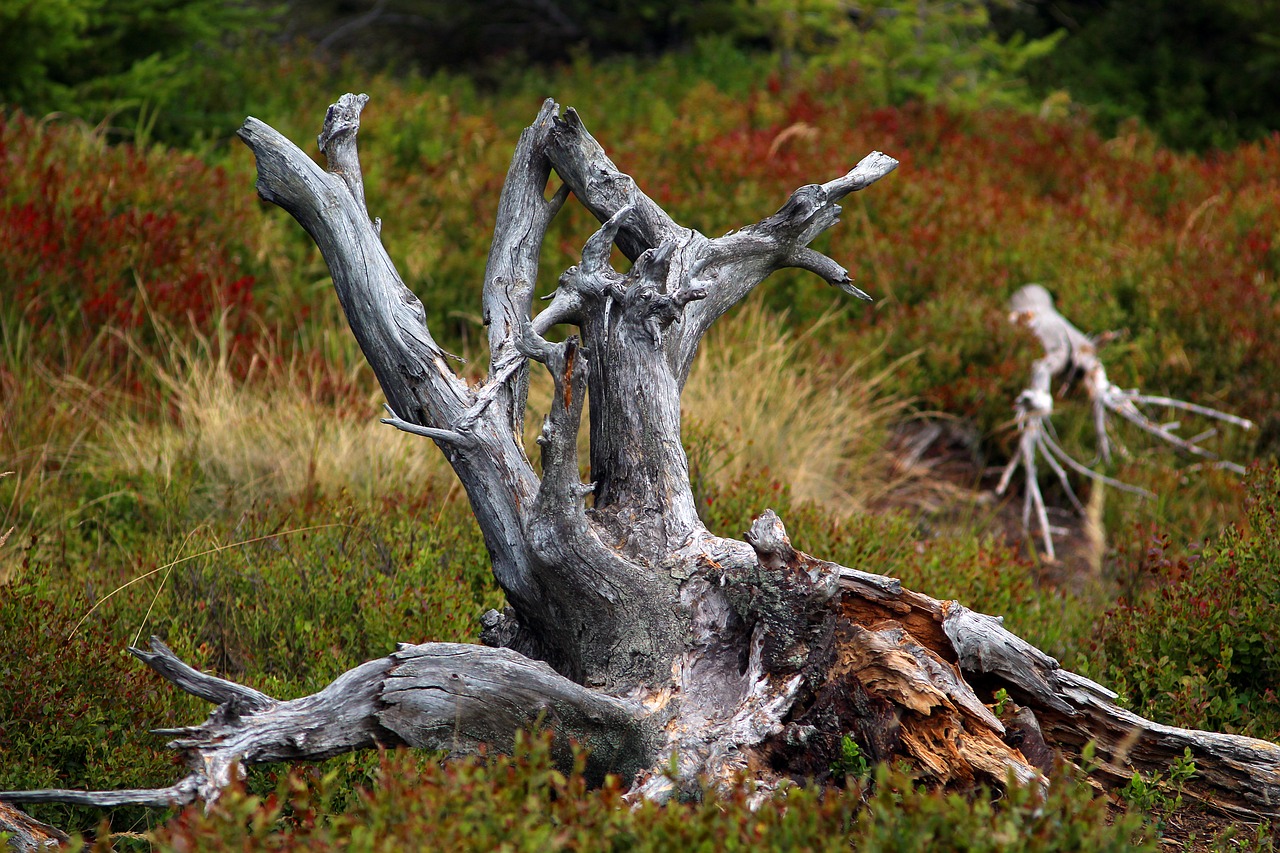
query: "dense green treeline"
1201, 74
149, 68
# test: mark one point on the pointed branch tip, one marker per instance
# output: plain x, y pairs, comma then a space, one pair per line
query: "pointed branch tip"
447, 436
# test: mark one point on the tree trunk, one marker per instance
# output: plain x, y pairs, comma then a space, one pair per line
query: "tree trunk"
632, 628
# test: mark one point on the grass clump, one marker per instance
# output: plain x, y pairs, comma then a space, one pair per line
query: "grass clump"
303, 427
760, 399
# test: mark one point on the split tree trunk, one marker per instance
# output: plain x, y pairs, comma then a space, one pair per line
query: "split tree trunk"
631, 628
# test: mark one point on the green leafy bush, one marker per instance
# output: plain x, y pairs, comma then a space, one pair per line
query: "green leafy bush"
1203, 649
941, 52
1198, 72
1158, 792
150, 67
59, 729
284, 598
524, 803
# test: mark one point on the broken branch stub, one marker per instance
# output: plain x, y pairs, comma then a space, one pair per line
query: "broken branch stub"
631, 627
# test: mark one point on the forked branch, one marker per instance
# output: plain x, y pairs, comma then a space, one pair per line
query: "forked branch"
439, 696
730, 266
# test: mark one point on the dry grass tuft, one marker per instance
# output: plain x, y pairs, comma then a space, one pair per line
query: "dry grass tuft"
759, 400
277, 432
765, 402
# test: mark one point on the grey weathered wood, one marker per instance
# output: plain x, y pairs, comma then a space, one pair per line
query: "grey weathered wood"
631, 628
210, 688
512, 270
28, 835
389, 323
455, 698
731, 265
1234, 773
441, 696
1070, 352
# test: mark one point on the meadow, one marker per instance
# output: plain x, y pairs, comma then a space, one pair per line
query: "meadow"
190, 448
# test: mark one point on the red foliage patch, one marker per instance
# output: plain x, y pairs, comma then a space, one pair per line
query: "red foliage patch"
95, 238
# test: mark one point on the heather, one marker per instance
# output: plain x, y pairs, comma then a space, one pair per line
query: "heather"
183, 408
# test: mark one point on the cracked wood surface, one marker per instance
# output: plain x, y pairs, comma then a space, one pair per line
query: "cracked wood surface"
633, 629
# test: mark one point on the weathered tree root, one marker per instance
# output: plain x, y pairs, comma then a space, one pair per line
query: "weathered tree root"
439, 696
1070, 352
631, 627
895, 671
28, 834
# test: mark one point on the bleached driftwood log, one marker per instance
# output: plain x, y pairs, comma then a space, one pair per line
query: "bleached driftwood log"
1070, 352
631, 627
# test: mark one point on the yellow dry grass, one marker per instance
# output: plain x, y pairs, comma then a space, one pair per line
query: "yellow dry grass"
756, 401
270, 434
766, 404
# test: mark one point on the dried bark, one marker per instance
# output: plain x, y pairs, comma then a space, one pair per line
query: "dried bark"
631, 627
28, 835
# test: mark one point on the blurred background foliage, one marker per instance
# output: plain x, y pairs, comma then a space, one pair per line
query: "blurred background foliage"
1200, 73
153, 68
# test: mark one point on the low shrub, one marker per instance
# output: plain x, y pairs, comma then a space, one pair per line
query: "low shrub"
75, 710
105, 240
281, 597
524, 803
150, 67
1201, 646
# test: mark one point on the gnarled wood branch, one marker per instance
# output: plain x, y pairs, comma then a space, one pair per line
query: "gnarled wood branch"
1070, 352
904, 671
731, 265
439, 696
632, 628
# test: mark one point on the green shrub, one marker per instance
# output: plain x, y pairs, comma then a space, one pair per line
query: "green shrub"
942, 52
1202, 650
149, 67
1158, 793
524, 803
295, 596
1199, 72
75, 711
